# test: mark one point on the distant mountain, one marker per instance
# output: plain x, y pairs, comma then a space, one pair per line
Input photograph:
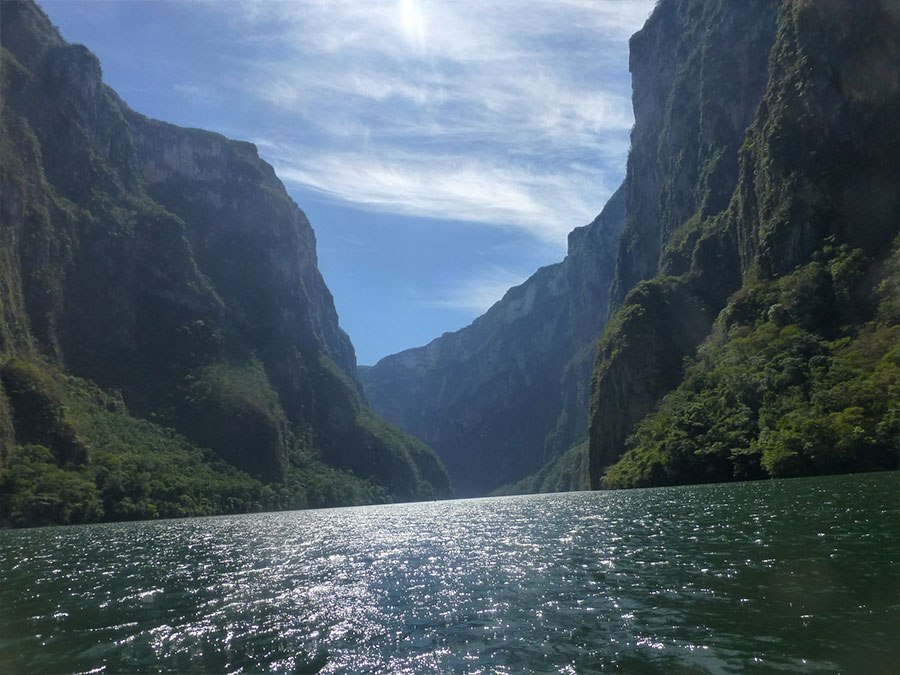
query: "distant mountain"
499, 399
167, 344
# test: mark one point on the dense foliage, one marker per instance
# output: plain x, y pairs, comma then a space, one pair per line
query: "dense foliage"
129, 468
793, 382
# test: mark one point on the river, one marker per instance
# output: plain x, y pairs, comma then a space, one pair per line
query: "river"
795, 575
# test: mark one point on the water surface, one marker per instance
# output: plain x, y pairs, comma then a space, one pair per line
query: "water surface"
791, 575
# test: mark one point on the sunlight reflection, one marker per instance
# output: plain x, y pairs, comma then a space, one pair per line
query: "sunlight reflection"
503, 585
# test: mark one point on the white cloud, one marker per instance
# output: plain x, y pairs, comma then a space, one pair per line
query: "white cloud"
505, 112
478, 294
545, 203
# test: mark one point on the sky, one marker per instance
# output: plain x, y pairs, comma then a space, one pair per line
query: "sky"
442, 149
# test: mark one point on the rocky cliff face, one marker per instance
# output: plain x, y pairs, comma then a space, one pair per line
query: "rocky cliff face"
699, 71
170, 265
500, 398
776, 139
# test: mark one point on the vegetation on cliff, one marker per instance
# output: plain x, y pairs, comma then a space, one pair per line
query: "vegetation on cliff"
83, 458
796, 376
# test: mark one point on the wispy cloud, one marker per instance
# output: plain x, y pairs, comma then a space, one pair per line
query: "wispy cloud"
506, 112
197, 91
540, 201
475, 295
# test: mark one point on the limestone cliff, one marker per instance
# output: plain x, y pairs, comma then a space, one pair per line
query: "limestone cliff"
170, 267
699, 71
778, 141
505, 395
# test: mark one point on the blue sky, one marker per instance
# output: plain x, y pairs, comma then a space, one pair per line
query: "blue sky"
442, 149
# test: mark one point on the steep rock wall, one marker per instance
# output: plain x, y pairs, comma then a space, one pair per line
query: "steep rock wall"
818, 159
699, 71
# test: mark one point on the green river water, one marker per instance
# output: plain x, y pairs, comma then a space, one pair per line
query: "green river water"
778, 576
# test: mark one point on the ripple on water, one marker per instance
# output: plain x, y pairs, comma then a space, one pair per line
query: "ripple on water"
785, 575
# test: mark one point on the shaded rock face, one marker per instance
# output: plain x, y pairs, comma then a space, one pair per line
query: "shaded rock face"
821, 159
699, 71
172, 265
500, 398
639, 360
253, 246
776, 137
